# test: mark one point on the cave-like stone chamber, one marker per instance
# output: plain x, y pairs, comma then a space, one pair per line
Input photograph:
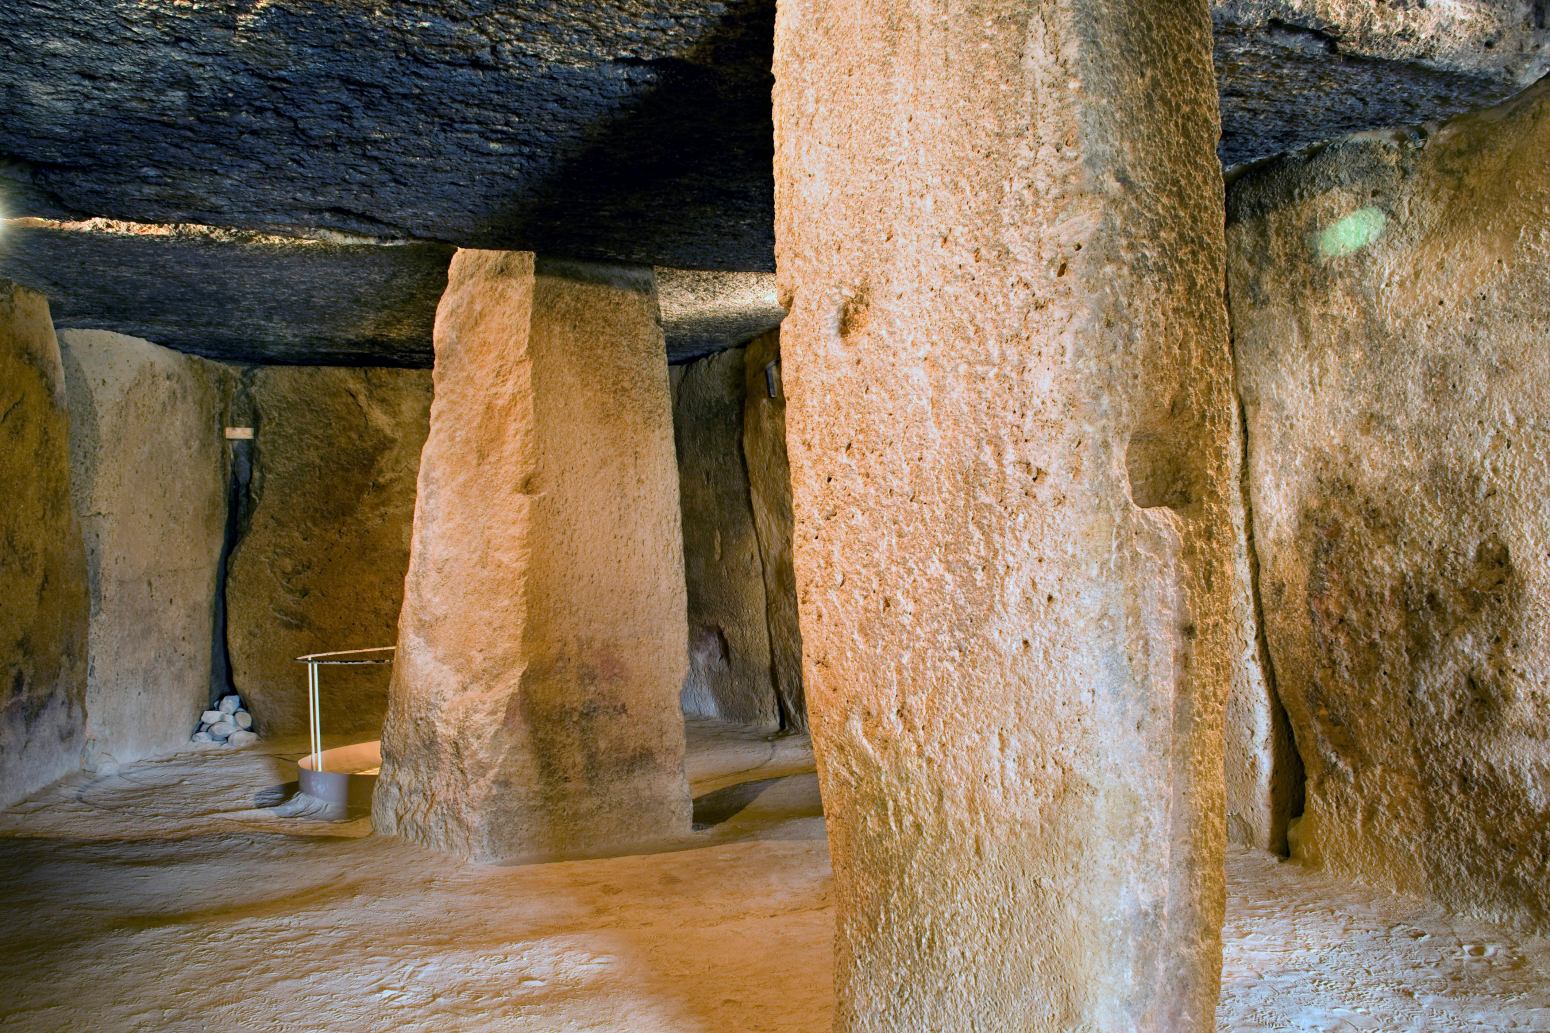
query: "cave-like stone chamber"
868, 515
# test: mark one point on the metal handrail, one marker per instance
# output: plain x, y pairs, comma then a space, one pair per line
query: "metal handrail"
314, 708
325, 658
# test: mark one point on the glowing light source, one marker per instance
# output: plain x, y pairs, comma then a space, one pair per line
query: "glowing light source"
1347, 236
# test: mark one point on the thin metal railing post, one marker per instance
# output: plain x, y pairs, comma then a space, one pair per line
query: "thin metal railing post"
317, 704
317, 696
314, 719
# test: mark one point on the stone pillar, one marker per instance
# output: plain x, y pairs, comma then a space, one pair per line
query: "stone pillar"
1000, 239
730, 675
533, 711
43, 589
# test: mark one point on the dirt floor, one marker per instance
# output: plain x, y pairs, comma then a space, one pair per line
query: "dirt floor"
165, 897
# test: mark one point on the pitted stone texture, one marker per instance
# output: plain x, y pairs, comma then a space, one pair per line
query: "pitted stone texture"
704, 312
43, 593
320, 565
534, 708
148, 479
729, 637
1294, 72
1389, 297
769, 482
1007, 372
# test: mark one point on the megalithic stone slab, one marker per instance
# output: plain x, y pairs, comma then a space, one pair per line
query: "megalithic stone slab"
320, 565
769, 484
730, 675
1389, 302
43, 592
533, 711
149, 483
1000, 234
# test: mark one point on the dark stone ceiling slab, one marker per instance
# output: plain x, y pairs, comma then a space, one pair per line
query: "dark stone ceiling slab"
1296, 72
235, 294
260, 298
303, 165
631, 130
706, 312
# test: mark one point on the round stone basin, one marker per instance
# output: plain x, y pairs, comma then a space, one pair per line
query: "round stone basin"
347, 774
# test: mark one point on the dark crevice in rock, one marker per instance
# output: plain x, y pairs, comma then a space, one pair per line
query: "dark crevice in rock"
1287, 776
239, 509
1301, 37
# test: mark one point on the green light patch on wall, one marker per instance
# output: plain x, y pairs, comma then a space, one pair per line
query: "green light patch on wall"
1351, 234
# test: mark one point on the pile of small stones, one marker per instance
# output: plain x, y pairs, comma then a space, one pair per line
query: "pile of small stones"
228, 723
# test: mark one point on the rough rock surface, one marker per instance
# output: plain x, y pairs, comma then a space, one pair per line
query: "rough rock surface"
534, 708
148, 478
704, 312
729, 638
320, 564
1388, 296
229, 294
638, 130
1009, 419
1294, 72
769, 482
43, 595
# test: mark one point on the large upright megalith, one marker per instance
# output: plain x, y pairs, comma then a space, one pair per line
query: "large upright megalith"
730, 672
1390, 297
999, 231
148, 478
769, 489
321, 560
534, 705
43, 590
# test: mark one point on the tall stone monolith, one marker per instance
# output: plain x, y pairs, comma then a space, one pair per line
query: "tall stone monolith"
533, 711
43, 587
769, 488
148, 479
1000, 238
730, 674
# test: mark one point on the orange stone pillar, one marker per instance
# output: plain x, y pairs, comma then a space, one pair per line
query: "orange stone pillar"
1000, 239
534, 705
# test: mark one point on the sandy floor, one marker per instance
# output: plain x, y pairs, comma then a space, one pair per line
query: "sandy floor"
162, 898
